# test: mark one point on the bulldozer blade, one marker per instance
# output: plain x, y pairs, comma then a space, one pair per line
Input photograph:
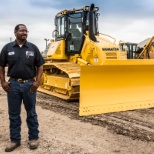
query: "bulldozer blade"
117, 85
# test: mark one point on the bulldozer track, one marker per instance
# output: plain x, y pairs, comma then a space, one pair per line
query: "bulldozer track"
65, 78
137, 124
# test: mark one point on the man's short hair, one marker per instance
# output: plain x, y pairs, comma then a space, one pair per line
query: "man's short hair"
17, 27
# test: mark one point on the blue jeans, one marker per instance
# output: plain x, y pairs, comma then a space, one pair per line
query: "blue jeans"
21, 92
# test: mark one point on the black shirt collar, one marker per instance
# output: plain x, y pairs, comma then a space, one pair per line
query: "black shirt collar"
16, 44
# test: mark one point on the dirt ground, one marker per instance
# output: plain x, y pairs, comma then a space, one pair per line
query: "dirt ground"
60, 134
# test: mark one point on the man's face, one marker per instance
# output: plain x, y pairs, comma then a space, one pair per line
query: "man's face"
21, 33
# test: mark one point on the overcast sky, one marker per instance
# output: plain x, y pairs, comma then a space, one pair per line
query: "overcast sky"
127, 20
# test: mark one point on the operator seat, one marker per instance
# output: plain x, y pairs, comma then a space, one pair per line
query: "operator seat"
75, 31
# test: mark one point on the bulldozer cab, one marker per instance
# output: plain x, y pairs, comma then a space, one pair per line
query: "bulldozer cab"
77, 38
71, 26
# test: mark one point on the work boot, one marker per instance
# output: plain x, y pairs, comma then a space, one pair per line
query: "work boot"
11, 146
33, 144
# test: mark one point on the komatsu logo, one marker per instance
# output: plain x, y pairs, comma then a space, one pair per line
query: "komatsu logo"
110, 49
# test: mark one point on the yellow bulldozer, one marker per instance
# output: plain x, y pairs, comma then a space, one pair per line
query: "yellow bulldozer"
81, 63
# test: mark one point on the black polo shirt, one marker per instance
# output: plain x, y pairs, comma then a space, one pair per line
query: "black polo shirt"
22, 61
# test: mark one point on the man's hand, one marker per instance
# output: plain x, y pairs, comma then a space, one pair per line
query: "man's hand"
5, 86
34, 86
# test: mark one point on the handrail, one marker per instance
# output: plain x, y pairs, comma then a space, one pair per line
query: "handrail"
109, 36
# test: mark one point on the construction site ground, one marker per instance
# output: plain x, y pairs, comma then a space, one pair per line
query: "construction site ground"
62, 131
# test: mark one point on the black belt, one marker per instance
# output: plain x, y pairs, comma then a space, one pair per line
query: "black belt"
21, 80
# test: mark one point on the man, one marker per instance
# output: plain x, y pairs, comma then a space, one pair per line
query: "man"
24, 63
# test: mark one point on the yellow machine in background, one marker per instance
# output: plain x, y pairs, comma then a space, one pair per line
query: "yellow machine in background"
147, 51
82, 64
142, 50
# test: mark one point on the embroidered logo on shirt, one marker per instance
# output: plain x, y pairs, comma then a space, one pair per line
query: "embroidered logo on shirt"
29, 53
11, 53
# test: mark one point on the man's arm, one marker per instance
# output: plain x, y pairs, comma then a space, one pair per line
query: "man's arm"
5, 85
39, 73
2, 74
38, 79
